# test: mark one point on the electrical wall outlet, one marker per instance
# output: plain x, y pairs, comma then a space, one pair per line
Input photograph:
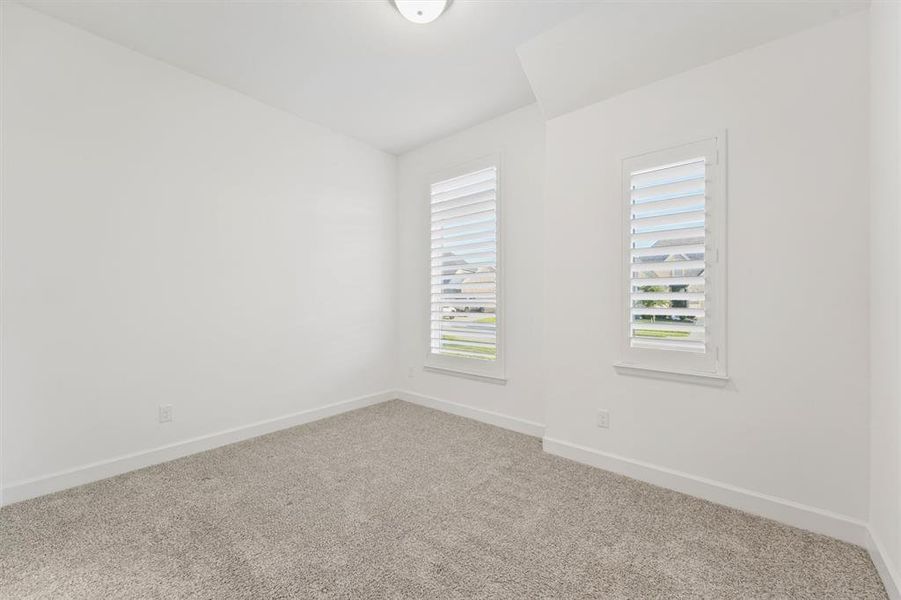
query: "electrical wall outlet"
604, 419
165, 413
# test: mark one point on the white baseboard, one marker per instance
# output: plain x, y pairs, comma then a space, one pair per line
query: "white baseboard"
31, 488
778, 509
891, 578
477, 414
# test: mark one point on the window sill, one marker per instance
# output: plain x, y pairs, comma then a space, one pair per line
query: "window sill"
466, 375
711, 379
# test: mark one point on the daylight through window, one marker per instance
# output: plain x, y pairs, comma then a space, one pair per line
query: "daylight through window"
464, 266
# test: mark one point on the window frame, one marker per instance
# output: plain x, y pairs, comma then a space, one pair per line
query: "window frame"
491, 371
681, 365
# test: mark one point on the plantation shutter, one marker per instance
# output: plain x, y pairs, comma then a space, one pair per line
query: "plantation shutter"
464, 266
668, 262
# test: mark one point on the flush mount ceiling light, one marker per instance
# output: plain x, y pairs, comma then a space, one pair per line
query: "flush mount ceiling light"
421, 11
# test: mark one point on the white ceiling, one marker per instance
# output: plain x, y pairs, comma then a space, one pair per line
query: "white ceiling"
354, 66
617, 46
357, 67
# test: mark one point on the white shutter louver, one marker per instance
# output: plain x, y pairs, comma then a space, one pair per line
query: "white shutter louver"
463, 266
667, 257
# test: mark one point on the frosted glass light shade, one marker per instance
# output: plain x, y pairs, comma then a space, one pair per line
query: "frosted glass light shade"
421, 11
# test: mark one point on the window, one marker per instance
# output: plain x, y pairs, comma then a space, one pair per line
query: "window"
674, 276
464, 321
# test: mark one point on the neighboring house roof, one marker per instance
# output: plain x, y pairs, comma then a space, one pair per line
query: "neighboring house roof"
662, 244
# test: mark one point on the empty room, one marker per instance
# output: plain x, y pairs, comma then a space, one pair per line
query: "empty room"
447, 299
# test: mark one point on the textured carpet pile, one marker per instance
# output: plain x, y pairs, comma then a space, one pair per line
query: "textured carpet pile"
399, 501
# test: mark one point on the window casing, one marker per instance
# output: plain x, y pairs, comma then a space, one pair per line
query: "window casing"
674, 226
465, 323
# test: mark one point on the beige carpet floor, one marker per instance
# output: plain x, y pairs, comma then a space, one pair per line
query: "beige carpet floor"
399, 501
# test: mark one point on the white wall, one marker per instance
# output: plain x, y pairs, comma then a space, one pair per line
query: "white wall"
519, 138
885, 269
793, 421
169, 241
166, 240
